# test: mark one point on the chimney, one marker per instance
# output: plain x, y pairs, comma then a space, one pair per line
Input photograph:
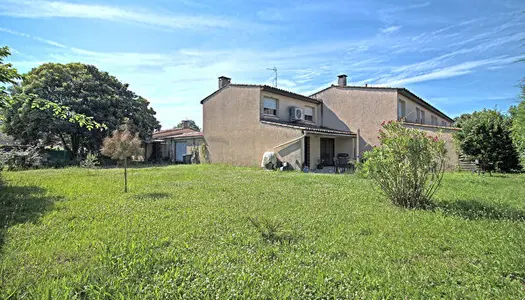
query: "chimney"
185, 124
341, 81
224, 81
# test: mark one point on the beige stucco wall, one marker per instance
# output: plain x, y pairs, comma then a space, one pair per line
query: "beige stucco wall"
234, 133
353, 109
411, 114
446, 134
283, 105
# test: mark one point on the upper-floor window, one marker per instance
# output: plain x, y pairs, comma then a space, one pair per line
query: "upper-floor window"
309, 113
270, 106
418, 115
401, 109
434, 120
422, 117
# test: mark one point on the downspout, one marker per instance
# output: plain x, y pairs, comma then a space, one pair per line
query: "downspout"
358, 146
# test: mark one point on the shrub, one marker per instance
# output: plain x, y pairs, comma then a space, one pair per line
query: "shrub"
91, 161
408, 165
271, 230
204, 154
486, 136
21, 159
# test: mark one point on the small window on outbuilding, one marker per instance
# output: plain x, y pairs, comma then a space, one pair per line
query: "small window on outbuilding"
309, 113
270, 106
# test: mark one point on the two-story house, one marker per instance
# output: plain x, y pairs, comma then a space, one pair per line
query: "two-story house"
364, 108
241, 122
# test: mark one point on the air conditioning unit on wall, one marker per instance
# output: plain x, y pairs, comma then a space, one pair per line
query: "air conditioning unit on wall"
296, 114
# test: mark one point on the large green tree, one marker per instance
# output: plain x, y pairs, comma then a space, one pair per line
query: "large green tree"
485, 135
8, 75
518, 125
81, 89
191, 124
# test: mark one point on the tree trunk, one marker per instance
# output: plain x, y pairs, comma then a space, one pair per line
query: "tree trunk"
125, 175
75, 145
66, 146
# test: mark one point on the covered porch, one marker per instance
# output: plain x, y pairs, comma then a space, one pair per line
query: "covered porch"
329, 153
321, 150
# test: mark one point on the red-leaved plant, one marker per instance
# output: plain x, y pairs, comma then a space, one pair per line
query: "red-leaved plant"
408, 165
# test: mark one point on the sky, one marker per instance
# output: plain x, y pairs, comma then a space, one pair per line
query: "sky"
460, 56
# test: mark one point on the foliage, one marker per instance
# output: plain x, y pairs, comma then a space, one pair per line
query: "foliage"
8, 74
183, 233
90, 162
123, 144
204, 155
485, 135
408, 165
21, 159
271, 230
518, 126
74, 91
191, 125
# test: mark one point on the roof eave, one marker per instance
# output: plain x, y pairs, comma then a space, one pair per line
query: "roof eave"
405, 92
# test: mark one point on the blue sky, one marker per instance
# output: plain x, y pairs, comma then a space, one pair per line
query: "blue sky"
458, 55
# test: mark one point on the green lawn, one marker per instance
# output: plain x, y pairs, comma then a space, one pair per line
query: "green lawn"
184, 231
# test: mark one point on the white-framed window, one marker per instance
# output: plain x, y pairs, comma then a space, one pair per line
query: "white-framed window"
401, 109
434, 120
422, 117
418, 115
270, 106
309, 113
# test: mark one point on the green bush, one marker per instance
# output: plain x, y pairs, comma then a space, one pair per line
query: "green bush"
408, 165
90, 162
271, 230
21, 159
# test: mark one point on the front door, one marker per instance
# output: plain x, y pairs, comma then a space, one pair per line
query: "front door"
180, 151
327, 151
307, 151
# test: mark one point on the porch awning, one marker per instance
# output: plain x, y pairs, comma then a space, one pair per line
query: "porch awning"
310, 128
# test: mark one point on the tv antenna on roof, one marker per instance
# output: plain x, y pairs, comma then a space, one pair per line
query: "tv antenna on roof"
274, 69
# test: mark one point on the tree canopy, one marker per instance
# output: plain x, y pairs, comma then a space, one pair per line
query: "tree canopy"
486, 136
191, 124
518, 125
74, 90
8, 75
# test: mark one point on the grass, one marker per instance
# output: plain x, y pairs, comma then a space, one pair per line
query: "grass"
223, 232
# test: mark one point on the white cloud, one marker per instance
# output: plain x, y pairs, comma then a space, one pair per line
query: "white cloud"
390, 29
58, 9
447, 72
49, 42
